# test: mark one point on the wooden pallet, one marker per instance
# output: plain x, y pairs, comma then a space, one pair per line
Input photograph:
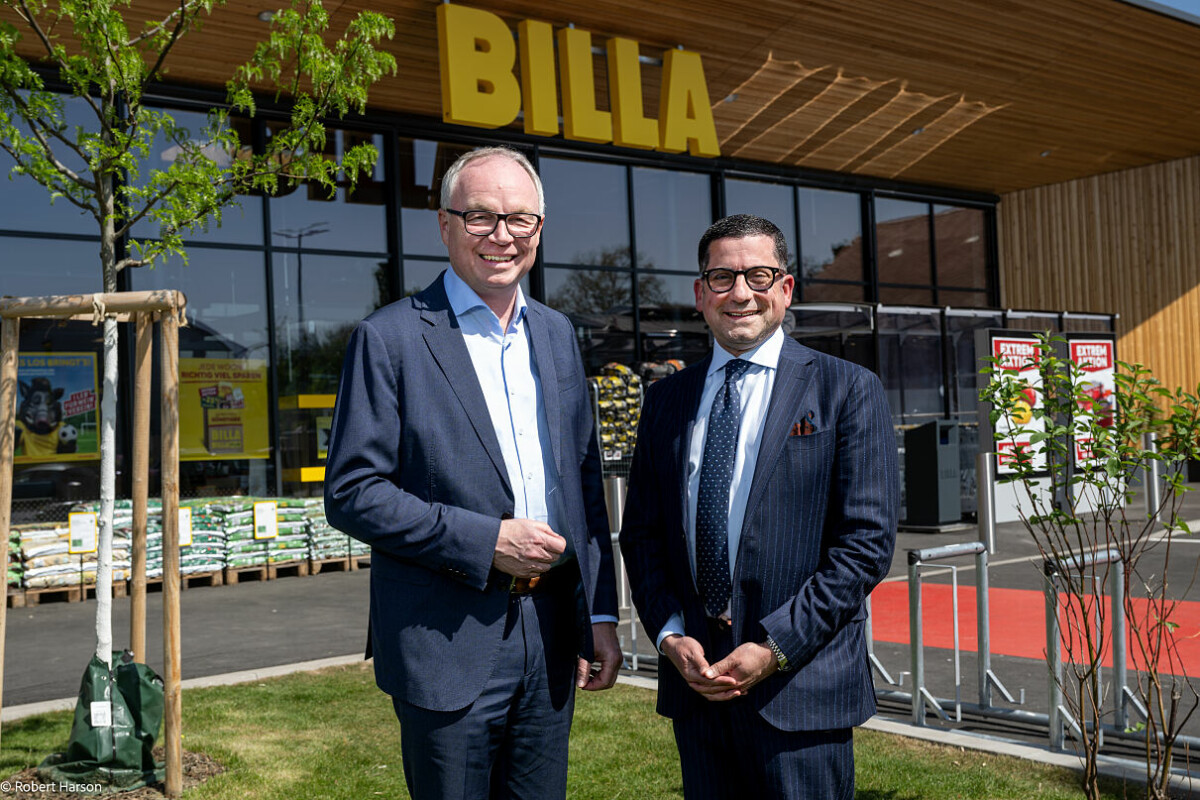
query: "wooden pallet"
317, 566
119, 589
287, 569
360, 562
213, 578
235, 574
21, 598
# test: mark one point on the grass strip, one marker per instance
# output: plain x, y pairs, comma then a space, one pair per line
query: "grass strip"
332, 734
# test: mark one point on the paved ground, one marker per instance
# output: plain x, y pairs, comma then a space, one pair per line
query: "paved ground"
256, 628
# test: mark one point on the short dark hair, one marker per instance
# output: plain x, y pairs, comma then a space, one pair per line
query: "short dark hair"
739, 226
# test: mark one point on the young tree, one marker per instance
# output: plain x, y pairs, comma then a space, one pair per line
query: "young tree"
1078, 478
102, 61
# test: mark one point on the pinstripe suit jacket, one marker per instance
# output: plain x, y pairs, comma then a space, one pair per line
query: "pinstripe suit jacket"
415, 470
818, 535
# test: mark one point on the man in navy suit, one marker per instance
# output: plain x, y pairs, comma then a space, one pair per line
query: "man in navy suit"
462, 451
761, 512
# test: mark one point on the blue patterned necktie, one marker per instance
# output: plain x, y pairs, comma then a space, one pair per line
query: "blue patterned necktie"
712, 503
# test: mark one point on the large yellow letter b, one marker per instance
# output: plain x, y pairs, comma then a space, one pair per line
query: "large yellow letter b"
477, 55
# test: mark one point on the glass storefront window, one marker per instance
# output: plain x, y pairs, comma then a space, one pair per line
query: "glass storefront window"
346, 220
226, 301
36, 267
821, 292
671, 212
960, 238
906, 295
910, 363
240, 223
902, 244
587, 214
25, 204
773, 201
830, 237
670, 325
844, 331
951, 297
422, 165
598, 303
318, 301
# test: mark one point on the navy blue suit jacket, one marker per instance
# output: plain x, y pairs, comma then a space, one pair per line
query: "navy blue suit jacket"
415, 470
818, 535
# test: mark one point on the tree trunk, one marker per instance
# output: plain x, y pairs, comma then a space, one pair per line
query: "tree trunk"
108, 446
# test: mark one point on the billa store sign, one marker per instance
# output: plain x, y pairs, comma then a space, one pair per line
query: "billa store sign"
480, 87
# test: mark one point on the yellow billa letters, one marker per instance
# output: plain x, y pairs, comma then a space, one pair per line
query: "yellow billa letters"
686, 114
477, 55
631, 128
537, 77
581, 119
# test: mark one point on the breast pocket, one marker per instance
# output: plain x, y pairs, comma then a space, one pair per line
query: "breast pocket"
821, 440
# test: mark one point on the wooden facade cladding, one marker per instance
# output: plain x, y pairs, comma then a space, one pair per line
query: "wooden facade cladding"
1125, 242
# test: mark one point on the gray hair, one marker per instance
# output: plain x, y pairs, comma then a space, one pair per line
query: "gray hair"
450, 179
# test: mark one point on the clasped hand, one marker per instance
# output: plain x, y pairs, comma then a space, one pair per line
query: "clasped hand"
730, 677
527, 548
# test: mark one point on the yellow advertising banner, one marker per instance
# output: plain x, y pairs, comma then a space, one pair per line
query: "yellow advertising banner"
223, 409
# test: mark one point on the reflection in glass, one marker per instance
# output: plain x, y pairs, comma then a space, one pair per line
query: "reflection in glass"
673, 328
906, 295
821, 292
353, 220
950, 297
240, 223
830, 236
771, 201
226, 301
1088, 323
36, 267
961, 247
845, 331
598, 304
902, 243
422, 165
318, 301
910, 363
671, 212
1032, 321
587, 213
25, 204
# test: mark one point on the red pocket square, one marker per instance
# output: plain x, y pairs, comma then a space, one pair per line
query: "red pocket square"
803, 428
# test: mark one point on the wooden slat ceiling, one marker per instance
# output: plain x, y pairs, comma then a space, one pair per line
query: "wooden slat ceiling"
1006, 94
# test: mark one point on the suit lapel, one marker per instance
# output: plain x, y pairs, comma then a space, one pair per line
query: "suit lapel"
445, 342
543, 357
792, 381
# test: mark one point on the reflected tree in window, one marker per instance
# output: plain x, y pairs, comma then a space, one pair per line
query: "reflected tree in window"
600, 291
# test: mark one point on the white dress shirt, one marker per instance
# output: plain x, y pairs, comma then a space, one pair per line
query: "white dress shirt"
508, 374
755, 388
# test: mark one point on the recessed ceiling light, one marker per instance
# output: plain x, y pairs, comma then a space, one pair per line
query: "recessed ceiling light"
266, 16
918, 131
731, 97
1043, 154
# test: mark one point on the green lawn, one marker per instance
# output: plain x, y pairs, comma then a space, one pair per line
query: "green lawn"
332, 734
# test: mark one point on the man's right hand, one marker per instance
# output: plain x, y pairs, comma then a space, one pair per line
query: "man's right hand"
527, 548
687, 655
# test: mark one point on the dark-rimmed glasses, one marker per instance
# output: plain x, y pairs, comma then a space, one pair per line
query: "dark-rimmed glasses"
760, 279
521, 225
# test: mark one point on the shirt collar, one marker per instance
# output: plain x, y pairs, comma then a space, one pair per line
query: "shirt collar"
765, 355
463, 299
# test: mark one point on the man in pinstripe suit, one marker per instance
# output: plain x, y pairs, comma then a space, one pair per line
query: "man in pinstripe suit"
761, 614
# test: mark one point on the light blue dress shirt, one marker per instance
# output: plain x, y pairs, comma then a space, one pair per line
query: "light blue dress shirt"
508, 375
755, 387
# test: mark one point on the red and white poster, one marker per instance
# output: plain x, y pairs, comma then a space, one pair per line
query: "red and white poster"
1096, 363
1017, 359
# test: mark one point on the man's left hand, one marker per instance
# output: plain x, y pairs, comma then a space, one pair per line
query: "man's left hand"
748, 664
608, 656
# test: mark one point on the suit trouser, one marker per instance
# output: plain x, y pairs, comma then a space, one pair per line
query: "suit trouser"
728, 752
512, 741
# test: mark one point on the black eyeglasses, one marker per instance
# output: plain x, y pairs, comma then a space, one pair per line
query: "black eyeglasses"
760, 279
521, 225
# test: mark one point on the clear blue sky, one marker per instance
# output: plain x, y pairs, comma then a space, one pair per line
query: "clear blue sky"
1187, 6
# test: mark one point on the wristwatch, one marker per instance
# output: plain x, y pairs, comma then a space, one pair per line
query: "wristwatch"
780, 658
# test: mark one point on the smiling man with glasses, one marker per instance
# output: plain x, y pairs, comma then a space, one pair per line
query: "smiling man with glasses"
462, 451
761, 511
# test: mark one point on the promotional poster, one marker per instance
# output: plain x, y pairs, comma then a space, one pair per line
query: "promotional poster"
223, 409
1017, 360
1096, 361
57, 408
